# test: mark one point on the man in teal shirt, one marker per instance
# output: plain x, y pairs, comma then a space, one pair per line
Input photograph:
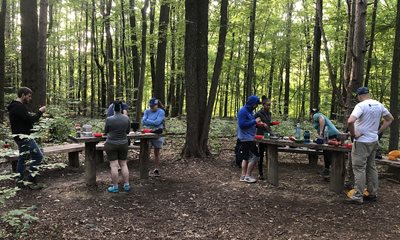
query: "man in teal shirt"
319, 121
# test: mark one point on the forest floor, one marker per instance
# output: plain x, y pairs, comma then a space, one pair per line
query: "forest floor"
203, 199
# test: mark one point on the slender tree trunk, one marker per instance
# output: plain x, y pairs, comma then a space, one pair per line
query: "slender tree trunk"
216, 74
159, 88
109, 54
29, 49
371, 43
135, 57
128, 83
228, 77
349, 56
196, 66
143, 63
2, 57
394, 87
315, 75
287, 59
250, 57
85, 70
42, 50
151, 46
271, 70
172, 87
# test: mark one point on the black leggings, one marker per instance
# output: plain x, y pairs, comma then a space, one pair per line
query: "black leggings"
262, 150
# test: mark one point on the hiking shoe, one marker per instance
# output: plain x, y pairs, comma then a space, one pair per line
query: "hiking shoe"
250, 179
242, 179
354, 197
127, 188
154, 173
36, 186
112, 189
370, 198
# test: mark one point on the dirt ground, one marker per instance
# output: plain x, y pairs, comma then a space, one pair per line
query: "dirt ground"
203, 199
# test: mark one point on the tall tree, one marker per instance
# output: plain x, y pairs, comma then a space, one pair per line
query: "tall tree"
394, 87
29, 48
143, 63
105, 12
287, 59
250, 57
135, 56
2, 57
371, 43
196, 66
159, 87
42, 50
315, 74
216, 74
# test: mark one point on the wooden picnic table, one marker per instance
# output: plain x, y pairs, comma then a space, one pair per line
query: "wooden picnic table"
90, 154
338, 170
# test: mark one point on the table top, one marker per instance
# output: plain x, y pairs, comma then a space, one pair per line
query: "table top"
312, 145
135, 135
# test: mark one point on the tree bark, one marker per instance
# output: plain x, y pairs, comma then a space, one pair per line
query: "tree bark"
394, 86
42, 50
172, 103
109, 53
85, 69
143, 63
29, 49
287, 60
196, 65
151, 46
159, 88
315, 74
216, 74
250, 56
2, 57
371, 43
135, 56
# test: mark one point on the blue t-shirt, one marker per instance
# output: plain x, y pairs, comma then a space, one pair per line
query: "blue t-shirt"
331, 128
110, 110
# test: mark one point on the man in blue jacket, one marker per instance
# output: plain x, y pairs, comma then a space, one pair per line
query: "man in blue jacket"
246, 132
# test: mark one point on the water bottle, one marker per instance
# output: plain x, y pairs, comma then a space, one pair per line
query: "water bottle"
326, 135
298, 131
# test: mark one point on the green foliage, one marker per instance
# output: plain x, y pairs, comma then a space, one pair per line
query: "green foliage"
20, 220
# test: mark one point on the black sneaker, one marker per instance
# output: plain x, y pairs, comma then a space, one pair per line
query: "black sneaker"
156, 173
370, 198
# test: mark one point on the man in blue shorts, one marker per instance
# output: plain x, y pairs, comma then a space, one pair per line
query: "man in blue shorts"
154, 118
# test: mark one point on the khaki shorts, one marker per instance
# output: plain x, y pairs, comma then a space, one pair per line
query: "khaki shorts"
116, 152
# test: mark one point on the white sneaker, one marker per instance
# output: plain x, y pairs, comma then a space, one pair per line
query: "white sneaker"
242, 179
250, 179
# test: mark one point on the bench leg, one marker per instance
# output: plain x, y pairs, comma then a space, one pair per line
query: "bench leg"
90, 163
337, 172
272, 164
313, 160
73, 159
144, 156
99, 156
14, 165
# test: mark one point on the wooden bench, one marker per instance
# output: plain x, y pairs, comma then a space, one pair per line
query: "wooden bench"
73, 151
100, 151
386, 161
312, 153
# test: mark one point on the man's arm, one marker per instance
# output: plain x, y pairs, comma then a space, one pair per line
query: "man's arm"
350, 124
387, 120
22, 113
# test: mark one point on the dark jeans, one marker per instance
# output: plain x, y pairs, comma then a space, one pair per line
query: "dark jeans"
28, 148
328, 156
262, 150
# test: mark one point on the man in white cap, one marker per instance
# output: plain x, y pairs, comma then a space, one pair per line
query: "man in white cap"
364, 128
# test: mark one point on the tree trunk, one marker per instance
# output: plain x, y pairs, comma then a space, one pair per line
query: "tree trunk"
394, 87
128, 83
228, 77
172, 103
85, 70
135, 56
315, 74
287, 60
42, 49
143, 63
2, 57
371, 43
196, 64
250, 56
109, 54
216, 74
271, 70
151, 46
159, 88
29, 49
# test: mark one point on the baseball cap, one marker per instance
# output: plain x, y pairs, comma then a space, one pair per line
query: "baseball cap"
153, 101
362, 90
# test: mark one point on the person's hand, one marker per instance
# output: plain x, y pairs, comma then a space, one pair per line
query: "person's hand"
42, 109
258, 120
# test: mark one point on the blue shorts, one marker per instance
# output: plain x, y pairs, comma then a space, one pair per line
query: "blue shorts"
157, 143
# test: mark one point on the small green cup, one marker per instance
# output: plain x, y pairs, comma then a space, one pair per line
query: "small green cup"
266, 135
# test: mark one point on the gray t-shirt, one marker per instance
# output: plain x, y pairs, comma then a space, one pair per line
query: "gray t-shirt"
116, 128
